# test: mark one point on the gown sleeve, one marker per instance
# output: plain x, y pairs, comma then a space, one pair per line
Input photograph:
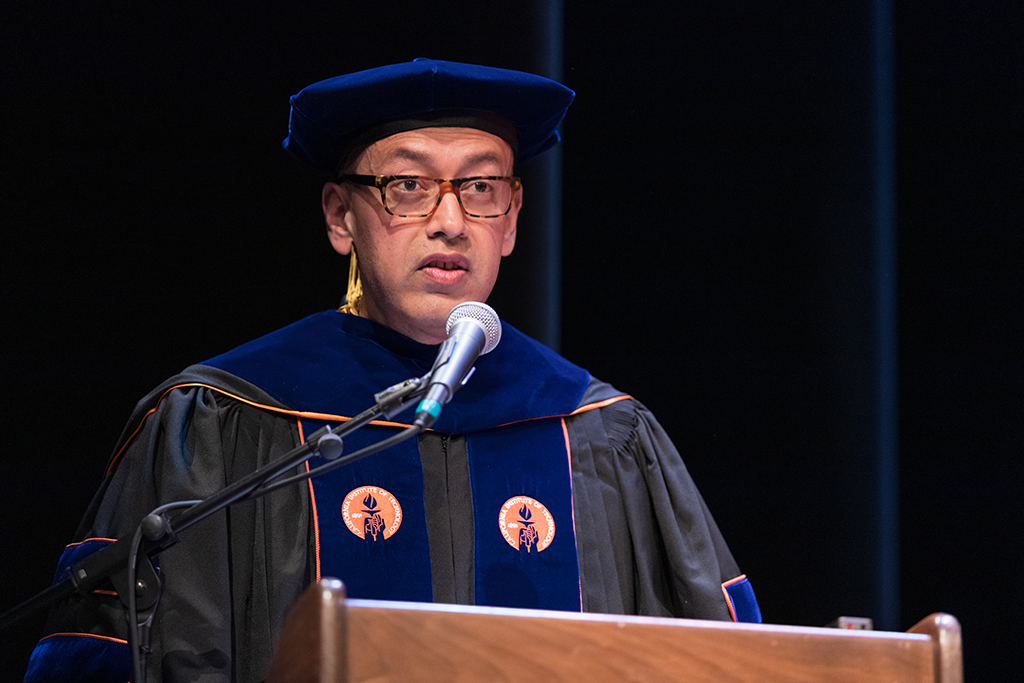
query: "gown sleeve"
231, 578
646, 541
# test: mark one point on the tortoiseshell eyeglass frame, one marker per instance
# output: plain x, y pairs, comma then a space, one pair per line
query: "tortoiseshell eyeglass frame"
382, 181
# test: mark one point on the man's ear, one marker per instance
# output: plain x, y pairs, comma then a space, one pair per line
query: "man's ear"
337, 215
509, 236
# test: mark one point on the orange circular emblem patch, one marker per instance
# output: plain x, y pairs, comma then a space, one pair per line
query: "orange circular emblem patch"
371, 513
526, 524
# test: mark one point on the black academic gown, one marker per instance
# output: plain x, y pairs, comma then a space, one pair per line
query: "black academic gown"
645, 542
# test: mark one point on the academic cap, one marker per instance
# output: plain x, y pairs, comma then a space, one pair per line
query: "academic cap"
332, 117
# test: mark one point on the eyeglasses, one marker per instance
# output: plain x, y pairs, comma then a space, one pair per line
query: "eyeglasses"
414, 196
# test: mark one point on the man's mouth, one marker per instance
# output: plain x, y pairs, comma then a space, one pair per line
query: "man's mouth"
446, 262
444, 265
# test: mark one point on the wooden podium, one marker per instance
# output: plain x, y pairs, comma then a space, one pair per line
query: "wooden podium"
328, 639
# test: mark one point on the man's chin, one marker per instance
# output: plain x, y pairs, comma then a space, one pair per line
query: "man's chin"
426, 324
423, 318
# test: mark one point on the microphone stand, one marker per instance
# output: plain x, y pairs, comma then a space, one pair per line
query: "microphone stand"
156, 533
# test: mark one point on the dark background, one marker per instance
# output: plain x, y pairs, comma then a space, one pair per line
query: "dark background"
725, 250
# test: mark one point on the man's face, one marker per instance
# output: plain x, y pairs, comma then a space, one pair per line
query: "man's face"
414, 270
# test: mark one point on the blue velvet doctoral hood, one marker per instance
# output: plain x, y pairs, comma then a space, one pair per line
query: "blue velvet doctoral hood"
334, 363
331, 364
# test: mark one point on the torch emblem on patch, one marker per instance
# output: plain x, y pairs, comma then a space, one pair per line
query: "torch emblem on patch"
526, 524
371, 513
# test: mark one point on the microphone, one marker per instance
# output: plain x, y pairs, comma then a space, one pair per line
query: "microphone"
473, 329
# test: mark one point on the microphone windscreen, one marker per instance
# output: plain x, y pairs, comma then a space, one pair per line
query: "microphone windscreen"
481, 313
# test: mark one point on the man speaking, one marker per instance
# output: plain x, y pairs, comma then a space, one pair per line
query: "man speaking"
537, 486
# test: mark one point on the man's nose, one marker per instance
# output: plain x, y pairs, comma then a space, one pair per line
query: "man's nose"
448, 219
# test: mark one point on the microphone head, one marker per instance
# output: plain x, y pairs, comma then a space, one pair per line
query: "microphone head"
480, 313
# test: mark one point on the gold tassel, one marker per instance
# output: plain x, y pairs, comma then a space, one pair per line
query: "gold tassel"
354, 293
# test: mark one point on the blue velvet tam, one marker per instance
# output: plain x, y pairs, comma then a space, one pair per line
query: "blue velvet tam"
332, 118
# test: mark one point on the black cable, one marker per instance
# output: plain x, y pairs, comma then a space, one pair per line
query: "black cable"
138, 671
134, 645
133, 640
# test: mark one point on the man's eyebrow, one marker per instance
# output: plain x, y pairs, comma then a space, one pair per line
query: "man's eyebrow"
406, 154
483, 158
